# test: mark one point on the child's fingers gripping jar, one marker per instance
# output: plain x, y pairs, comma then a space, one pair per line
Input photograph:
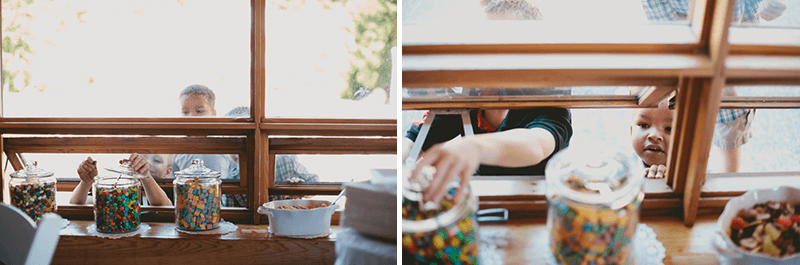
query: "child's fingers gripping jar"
116, 200
198, 198
444, 232
33, 191
594, 198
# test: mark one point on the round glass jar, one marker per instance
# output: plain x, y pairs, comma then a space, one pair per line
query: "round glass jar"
198, 198
594, 198
33, 191
439, 233
116, 203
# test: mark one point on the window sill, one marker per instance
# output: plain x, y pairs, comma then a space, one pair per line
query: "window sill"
163, 244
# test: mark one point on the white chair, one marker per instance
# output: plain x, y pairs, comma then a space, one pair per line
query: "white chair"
22, 242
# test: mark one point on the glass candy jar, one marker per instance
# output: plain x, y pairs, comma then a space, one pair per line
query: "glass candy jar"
198, 197
444, 232
116, 202
594, 198
33, 191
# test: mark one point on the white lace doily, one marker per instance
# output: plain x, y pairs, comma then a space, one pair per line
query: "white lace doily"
647, 250
64, 223
224, 228
92, 230
302, 236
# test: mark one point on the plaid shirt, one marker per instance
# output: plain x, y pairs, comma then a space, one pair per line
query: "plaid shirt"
729, 115
286, 168
672, 10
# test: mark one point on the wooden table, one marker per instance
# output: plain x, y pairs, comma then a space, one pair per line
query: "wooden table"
518, 241
514, 242
162, 244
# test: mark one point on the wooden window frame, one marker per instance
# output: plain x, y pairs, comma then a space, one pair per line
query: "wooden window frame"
191, 135
697, 70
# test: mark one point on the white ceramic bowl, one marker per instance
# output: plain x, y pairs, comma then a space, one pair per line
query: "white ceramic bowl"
299, 223
729, 252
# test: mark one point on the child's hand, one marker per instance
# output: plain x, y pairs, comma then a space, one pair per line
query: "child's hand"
771, 9
138, 164
88, 170
655, 172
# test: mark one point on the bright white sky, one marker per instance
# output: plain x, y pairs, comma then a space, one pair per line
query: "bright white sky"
131, 59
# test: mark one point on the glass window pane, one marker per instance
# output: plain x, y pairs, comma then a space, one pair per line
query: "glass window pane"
750, 140
65, 167
94, 58
575, 12
330, 169
330, 59
546, 21
766, 13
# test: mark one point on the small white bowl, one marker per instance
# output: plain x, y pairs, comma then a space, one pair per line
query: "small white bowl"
729, 252
299, 223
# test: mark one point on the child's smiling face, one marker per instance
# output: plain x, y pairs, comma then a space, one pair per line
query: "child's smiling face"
196, 105
651, 133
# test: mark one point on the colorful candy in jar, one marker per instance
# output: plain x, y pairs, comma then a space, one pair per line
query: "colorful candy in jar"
585, 234
116, 207
34, 199
197, 206
33, 191
198, 198
453, 243
594, 197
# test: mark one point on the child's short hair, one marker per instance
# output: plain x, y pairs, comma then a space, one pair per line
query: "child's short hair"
240, 111
199, 90
521, 9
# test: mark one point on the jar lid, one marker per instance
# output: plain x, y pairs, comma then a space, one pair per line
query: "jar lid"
31, 170
197, 170
126, 169
605, 175
423, 216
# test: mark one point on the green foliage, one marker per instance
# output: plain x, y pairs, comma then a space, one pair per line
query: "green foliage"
14, 45
373, 67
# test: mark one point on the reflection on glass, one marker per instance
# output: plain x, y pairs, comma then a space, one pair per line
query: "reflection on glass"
94, 58
334, 55
460, 93
570, 12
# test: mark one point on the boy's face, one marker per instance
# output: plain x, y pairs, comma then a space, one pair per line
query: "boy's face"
160, 165
651, 133
196, 105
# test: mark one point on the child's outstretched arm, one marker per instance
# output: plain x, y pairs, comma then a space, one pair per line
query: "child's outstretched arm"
87, 171
155, 195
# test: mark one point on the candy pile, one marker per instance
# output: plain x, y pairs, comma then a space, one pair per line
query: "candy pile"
35, 199
116, 210
583, 234
454, 243
301, 207
197, 206
771, 228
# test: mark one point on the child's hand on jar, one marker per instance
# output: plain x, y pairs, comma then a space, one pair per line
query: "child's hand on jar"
138, 163
88, 170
